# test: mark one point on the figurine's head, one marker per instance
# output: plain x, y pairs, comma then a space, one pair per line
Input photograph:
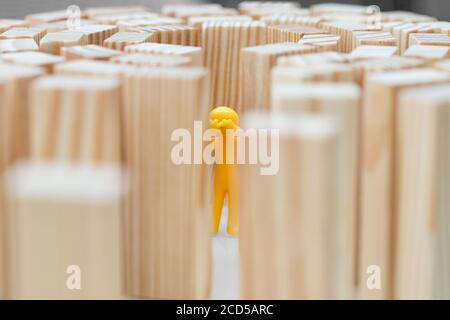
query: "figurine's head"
223, 118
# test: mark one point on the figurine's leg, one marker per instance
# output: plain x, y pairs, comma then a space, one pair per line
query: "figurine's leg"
219, 195
233, 226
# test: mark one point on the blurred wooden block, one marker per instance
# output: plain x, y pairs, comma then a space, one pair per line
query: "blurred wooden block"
222, 43
346, 31
59, 26
422, 188
91, 68
337, 8
172, 9
379, 158
13, 23
186, 11
197, 21
430, 54
53, 42
341, 101
403, 31
34, 33
96, 34
45, 17
285, 18
429, 39
115, 19
64, 222
289, 33
373, 52
14, 140
153, 60
322, 42
95, 12
173, 34
168, 220
329, 72
365, 68
18, 45
75, 119
119, 40
258, 9
313, 59
135, 24
255, 73
284, 235
373, 38
194, 53
33, 58
91, 51
405, 16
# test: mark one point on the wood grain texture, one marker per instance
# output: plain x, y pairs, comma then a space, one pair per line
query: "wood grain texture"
379, 157
283, 243
168, 219
53, 224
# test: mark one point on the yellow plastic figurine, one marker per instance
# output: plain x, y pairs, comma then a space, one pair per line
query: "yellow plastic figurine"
226, 175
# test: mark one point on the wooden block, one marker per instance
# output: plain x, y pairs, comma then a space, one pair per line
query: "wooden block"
430, 54
373, 52
45, 17
313, 59
168, 219
405, 16
75, 119
53, 42
64, 220
340, 101
119, 40
194, 53
33, 58
284, 236
346, 30
403, 31
14, 23
115, 19
322, 42
289, 33
365, 68
172, 9
337, 8
186, 11
255, 73
246, 7
197, 21
96, 34
173, 34
153, 60
373, 38
329, 72
283, 19
377, 171
18, 45
222, 43
91, 68
91, 51
34, 33
59, 26
422, 186
95, 12
429, 39
135, 24
14, 139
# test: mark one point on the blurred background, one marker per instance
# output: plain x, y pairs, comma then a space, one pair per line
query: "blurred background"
19, 8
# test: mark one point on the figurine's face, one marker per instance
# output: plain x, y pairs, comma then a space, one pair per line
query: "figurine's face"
223, 118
